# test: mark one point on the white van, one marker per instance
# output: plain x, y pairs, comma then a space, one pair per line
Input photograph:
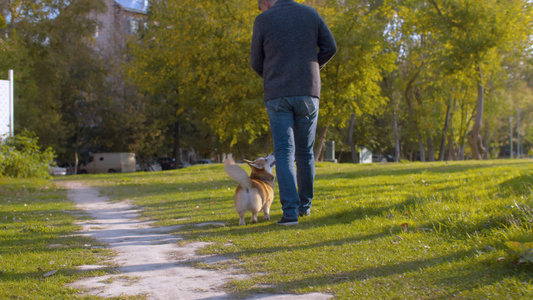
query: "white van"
109, 163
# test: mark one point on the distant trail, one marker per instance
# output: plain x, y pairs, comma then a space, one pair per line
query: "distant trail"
150, 262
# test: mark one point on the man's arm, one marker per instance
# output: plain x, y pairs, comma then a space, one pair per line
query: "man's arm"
257, 54
326, 44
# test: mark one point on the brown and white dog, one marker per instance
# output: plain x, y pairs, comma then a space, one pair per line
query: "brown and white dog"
255, 192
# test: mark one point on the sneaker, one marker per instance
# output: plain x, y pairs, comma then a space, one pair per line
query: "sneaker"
304, 214
287, 222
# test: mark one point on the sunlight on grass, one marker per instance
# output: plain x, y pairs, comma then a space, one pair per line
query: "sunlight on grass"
36, 233
380, 231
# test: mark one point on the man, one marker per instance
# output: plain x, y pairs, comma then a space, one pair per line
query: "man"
290, 44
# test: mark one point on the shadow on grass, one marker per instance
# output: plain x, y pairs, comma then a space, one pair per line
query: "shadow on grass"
125, 182
35, 233
43, 243
410, 169
71, 273
521, 185
186, 208
346, 217
128, 189
477, 275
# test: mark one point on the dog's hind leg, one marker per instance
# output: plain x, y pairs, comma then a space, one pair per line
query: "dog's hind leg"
241, 218
254, 217
266, 210
266, 213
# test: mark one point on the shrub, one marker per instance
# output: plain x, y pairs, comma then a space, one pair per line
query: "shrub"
21, 157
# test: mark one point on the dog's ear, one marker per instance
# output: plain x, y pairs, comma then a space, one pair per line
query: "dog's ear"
254, 164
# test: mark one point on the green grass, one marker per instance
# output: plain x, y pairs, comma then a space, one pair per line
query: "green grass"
380, 231
36, 228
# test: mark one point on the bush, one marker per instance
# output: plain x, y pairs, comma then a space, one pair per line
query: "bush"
21, 157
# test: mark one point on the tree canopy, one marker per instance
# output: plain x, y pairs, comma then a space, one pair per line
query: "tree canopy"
414, 79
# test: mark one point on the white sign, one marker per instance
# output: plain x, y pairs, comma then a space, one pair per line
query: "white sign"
6, 106
365, 156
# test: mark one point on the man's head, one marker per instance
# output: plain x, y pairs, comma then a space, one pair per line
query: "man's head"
264, 5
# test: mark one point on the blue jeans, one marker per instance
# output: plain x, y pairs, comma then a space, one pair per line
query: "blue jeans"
293, 123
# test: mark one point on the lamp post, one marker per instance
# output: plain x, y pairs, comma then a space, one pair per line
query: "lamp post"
511, 135
518, 152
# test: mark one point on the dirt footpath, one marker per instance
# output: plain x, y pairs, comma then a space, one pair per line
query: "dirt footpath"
149, 260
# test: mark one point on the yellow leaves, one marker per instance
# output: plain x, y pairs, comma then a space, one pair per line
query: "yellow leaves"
201, 49
523, 250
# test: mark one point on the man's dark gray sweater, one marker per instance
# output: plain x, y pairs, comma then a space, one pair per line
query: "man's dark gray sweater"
284, 49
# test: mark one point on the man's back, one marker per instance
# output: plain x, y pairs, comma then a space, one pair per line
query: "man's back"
284, 49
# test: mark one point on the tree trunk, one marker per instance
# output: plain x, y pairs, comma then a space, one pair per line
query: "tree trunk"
76, 159
396, 138
452, 155
485, 141
411, 114
445, 129
350, 140
431, 150
177, 150
462, 152
420, 146
474, 136
395, 118
320, 144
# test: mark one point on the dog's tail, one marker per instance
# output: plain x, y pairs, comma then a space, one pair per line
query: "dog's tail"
237, 173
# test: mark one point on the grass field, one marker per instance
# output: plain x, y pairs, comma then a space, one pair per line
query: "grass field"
38, 249
380, 231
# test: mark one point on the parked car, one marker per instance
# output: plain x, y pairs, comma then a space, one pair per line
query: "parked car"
109, 163
203, 161
166, 163
57, 171
70, 166
150, 166
382, 158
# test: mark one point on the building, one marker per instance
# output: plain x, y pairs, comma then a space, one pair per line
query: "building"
123, 17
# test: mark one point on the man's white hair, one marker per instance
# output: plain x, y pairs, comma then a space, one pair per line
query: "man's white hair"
269, 2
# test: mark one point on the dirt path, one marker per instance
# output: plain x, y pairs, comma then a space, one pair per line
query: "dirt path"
150, 261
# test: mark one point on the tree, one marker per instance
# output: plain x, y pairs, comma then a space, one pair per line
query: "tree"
351, 79
49, 43
477, 33
194, 56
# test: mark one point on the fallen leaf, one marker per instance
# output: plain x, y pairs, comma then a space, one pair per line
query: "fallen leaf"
405, 226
